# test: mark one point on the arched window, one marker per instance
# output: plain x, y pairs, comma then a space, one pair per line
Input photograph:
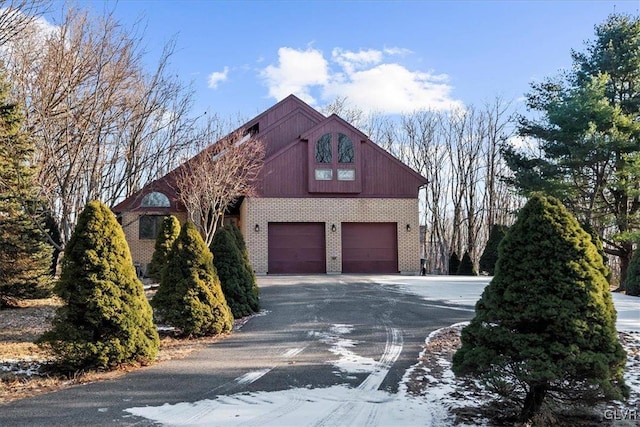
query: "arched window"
155, 200
345, 149
323, 149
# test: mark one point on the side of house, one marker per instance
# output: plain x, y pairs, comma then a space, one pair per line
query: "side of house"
329, 200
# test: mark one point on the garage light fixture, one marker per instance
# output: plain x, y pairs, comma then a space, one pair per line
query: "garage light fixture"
333, 228
408, 227
257, 228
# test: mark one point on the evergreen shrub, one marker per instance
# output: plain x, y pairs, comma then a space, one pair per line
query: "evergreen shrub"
106, 320
454, 264
466, 267
190, 296
489, 257
168, 233
545, 327
238, 281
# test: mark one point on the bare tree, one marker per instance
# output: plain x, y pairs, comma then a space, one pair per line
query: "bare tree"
17, 15
215, 178
104, 126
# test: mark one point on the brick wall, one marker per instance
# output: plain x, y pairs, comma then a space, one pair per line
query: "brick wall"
261, 211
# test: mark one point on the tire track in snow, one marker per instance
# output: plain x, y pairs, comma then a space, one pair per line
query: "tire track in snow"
347, 413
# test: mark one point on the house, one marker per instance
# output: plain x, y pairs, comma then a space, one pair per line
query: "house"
329, 200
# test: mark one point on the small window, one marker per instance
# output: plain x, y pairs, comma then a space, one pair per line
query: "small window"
323, 149
345, 149
324, 174
155, 200
346, 175
149, 226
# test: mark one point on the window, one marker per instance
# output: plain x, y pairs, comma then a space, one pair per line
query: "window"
346, 175
323, 149
324, 174
345, 149
149, 226
155, 200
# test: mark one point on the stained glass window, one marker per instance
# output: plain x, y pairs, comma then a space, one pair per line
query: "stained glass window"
345, 149
323, 149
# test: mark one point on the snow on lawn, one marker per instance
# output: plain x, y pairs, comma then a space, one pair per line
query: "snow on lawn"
343, 405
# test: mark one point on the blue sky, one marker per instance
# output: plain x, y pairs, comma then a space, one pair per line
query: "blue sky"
384, 56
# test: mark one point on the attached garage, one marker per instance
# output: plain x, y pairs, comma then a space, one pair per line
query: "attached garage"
369, 247
297, 248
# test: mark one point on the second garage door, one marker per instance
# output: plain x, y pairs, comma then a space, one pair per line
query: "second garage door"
297, 248
370, 247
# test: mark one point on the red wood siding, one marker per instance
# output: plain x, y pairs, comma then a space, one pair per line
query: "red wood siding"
369, 247
296, 248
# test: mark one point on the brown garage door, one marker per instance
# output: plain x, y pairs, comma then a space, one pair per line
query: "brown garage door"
370, 247
297, 248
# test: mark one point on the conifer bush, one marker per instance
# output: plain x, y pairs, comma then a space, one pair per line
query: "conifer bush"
466, 267
238, 281
632, 282
489, 256
106, 320
545, 327
190, 296
454, 264
168, 233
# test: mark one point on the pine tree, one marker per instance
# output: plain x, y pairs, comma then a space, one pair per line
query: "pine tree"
546, 324
466, 267
106, 320
168, 233
238, 284
190, 296
454, 264
632, 284
489, 256
25, 256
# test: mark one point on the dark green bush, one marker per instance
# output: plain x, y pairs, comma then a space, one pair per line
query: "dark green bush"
454, 264
466, 267
489, 257
545, 327
238, 281
106, 320
632, 282
167, 234
190, 296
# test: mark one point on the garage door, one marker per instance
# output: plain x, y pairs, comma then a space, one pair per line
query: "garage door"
297, 248
369, 247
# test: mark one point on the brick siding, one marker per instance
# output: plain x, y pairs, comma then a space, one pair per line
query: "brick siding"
331, 211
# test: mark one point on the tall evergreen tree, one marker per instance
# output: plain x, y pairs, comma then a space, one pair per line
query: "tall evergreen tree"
588, 132
545, 327
466, 267
238, 283
190, 296
106, 320
489, 256
454, 264
25, 257
168, 233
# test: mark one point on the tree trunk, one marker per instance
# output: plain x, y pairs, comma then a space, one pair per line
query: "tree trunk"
533, 401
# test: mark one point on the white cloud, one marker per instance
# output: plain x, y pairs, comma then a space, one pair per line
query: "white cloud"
217, 77
297, 71
366, 77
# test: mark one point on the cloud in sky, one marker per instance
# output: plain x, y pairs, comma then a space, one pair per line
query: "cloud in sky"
297, 72
217, 77
369, 78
